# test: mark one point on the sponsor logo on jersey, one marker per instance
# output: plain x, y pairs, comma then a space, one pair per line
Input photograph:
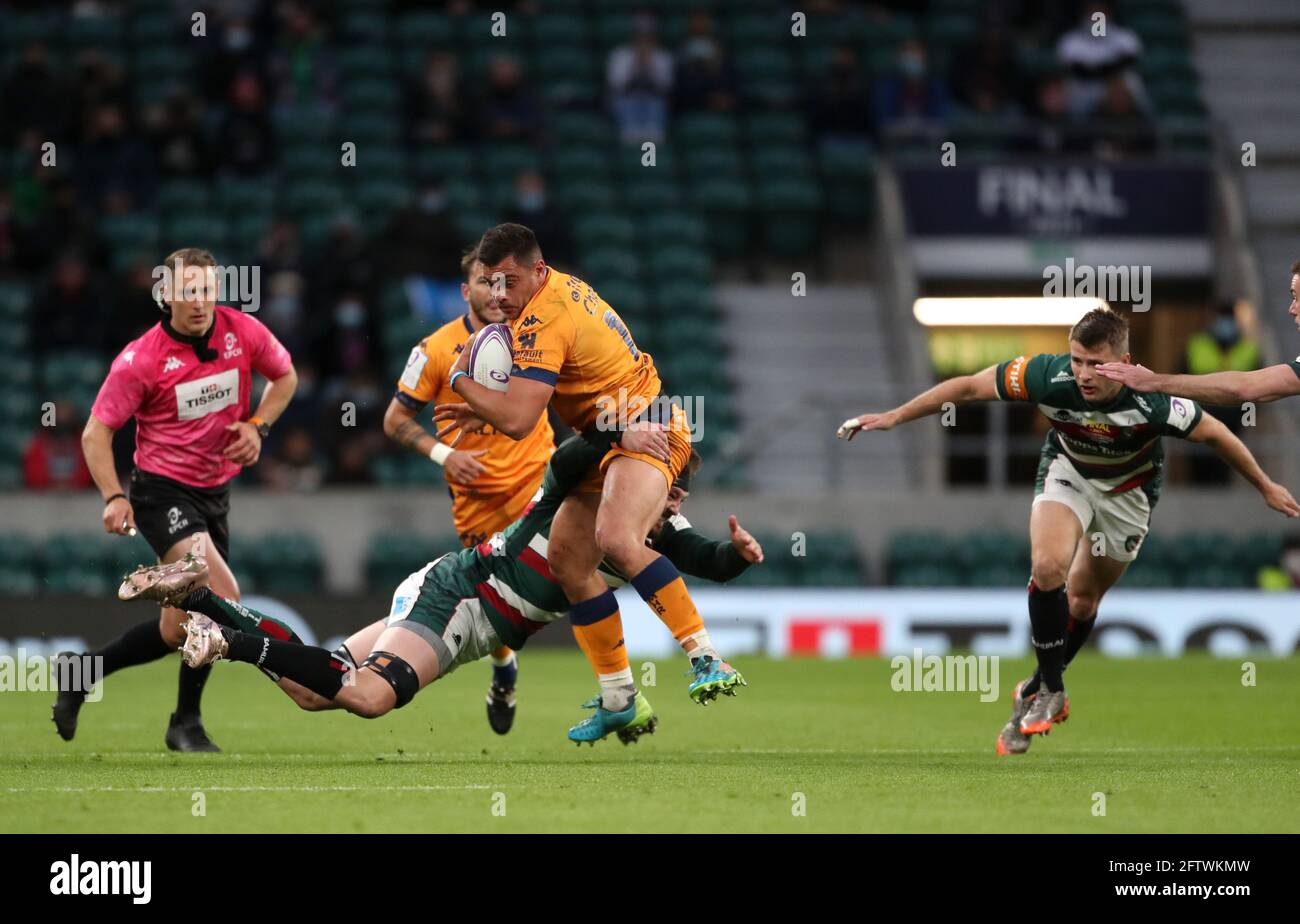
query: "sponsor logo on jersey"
173, 363
415, 364
528, 341
232, 349
1013, 379
129, 357
1063, 376
534, 319
203, 396
1141, 402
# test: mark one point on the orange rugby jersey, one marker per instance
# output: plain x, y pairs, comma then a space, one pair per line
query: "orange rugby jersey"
507, 462
567, 336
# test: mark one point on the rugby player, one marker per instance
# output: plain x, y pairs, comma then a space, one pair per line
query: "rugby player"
1100, 474
491, 478
187, 382
573, 350
1221, 388
455, 609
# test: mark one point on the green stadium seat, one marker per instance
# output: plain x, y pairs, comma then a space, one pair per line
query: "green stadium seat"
322, 160
775, 128
609, 263
581, 161
364, 26
425, 30
509, 160
207, 231
15, 298
676, 227
790, 206
240, 196
163, 64
182, 196
681, 263
312, 196
390, 557
587, 128
78, 563
597, 228
369, 94
708, 163
652, 191
579, 195
289, 563
445, 162
756, 29
20, 566
370, 128
706, 129
562, 30
303, 123
360, 62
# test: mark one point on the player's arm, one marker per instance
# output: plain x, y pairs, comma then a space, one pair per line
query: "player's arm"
1221, 388
462, 466
97, 446
982, 386
1213, 433
696, 554
247, 445
514, 412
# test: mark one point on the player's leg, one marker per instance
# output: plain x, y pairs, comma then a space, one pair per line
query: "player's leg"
633, 498
352, 651
573, 556
1060, 513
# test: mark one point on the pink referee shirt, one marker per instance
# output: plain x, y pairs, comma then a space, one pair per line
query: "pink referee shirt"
181, 406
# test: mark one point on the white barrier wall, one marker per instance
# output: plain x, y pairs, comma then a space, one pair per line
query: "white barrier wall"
840, 623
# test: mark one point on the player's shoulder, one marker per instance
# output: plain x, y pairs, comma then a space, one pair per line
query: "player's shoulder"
556, 299
1029, 374
447, 337
137, 354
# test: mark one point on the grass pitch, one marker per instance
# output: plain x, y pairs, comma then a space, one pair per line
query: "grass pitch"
1175, 745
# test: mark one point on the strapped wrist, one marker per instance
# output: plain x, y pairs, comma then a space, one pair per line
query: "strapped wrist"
440, 452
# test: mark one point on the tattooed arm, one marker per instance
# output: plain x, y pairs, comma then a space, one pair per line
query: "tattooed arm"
402, 428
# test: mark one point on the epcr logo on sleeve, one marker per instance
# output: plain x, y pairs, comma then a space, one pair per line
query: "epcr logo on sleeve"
103, 877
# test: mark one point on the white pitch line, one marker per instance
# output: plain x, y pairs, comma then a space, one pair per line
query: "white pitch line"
208, 789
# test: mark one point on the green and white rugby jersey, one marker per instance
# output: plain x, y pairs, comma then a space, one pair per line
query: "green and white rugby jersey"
1115, 445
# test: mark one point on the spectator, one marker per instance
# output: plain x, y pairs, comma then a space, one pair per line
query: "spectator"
985, 76
303, 66
175, 133
1050, 129
507, 111
841, 107
296, 466
1220, 347
639, 75
351, 465
53, 459
111, 160
245, 137
435, 104
33, 98
911, 96
1121, 127
1095, 50
704, 79
534, 209
69, 313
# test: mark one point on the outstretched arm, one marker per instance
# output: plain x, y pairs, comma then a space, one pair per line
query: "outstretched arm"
1221, 388
1232, 450
696, 554
982, 386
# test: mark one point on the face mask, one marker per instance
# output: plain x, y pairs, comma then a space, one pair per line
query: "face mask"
350, 314
1224, 331
532, 202
911, 66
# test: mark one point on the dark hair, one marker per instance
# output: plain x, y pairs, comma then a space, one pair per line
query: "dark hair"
1295, 268
467, 261
692, 468
1101, 326
508, 240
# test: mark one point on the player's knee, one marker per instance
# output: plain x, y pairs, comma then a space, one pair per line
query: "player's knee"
370, 700
618, 543
1083, 605
1048, 571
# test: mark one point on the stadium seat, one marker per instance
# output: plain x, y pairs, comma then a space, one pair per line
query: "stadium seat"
370, 94
774, 128
78, 563
20, 566
597, 228
706, 129
611, 263
425, 30
445, 162
390, 557
652, 191
790, 225
289, 563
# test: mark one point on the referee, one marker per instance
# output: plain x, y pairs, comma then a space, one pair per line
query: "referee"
187, 382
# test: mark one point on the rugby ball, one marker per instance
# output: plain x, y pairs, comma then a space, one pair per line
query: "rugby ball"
492, 357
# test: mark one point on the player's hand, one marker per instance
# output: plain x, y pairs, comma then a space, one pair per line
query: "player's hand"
744, 543
1138, 378
462, 361
850, 427
463, 466
119, 517
646, 437
1280, 499
247, 445
457, 416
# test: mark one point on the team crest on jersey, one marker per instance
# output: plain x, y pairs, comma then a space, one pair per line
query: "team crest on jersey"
173, 363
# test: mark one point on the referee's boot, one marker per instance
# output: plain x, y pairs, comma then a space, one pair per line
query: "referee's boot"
186, 733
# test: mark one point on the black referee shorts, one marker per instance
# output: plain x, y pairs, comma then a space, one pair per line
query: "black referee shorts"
167, 511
